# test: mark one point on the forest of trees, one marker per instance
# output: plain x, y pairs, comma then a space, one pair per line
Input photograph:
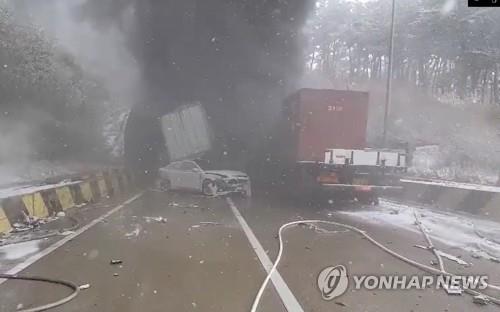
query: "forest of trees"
442, 47
49, 106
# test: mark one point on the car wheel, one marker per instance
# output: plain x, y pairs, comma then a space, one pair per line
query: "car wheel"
165, 185
209, 188
247, 192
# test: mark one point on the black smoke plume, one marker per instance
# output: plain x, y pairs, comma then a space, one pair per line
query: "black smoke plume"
239, 58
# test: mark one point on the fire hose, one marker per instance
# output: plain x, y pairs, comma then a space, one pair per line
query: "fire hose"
67, 284
51, 305
414, 263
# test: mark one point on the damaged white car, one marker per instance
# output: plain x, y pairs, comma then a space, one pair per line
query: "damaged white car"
195, 176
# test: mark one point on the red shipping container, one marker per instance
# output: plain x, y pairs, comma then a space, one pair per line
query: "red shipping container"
323, 119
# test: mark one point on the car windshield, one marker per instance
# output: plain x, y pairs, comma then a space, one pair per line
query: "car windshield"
249, 155
205, 164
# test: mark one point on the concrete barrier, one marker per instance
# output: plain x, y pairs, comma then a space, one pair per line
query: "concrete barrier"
49, 201
471, 198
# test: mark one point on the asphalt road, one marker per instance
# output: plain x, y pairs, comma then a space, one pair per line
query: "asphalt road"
185, 252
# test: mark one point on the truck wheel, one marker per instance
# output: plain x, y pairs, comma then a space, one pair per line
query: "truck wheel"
208, 188
368, 199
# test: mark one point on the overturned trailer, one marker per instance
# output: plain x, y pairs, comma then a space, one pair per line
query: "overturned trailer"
187, 132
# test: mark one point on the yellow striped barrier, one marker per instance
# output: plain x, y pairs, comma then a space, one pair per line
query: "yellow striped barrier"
65, 197
102, 187
5, 226
86, 192
49, 201
35, 205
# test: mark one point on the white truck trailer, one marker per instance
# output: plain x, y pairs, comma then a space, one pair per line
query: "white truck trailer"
187, 132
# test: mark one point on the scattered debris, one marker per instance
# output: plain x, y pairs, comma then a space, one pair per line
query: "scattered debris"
480, 253
174, 204
494, 259
115, 261
19, 306
84, 286
210, 223
61, 214
134, 233
394, 212
475, 255
115, 274
453, 290
340, 304
157, 219
481, 300
204, 224
202, 261
21, 227
434, 262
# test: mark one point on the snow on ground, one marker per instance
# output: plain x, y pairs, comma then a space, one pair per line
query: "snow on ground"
25, 171
433, 161
458, 185
31, 176
479, 237
20, 250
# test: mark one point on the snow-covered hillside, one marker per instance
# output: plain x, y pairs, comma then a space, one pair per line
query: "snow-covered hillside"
466, 137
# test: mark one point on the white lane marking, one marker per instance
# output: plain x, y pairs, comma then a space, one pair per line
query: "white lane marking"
286, 295
23, 265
